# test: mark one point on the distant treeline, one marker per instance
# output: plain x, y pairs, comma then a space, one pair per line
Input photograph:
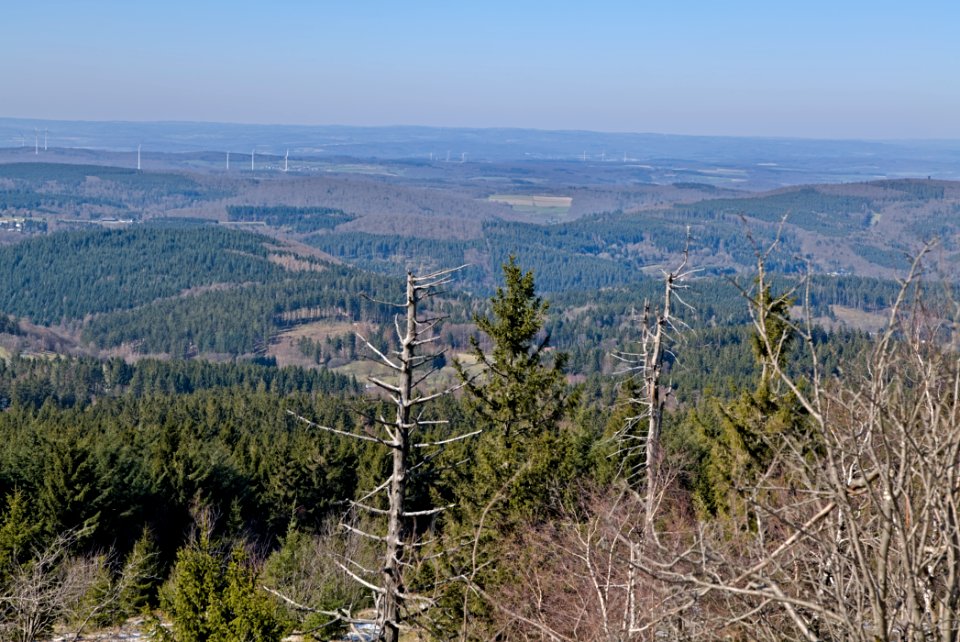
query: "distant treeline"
92, 190
595, 252
68, 382
809, 208
242, 319
298, 219
70, 275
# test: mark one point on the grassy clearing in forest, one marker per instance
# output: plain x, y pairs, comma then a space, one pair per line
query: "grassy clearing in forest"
859, 319
283, 347
544, 207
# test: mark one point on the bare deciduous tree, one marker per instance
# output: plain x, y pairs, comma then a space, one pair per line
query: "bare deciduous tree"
852, 530
57, 587
579, 577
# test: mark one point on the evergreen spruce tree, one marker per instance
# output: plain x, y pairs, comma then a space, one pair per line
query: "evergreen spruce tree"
195, 589
522, 459
18, 532
742, 444
141, 570
213, 599
518, 393
69, 497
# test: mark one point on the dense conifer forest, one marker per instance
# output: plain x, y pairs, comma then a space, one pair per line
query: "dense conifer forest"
673, 422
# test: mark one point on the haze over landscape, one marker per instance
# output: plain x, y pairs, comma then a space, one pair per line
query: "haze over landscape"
480, 321
877, 70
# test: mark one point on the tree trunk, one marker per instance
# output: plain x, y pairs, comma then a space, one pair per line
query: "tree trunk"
392, 573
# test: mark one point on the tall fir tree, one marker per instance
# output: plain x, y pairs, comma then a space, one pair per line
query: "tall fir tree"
519, 397
517, 391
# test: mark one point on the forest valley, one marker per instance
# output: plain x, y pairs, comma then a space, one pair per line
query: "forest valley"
635, 411
811, 494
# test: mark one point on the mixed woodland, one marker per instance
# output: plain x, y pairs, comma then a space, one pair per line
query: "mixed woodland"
237, 418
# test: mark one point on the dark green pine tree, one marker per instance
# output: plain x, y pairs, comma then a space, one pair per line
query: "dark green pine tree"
517, 391
69, 497
519, 397
141, 570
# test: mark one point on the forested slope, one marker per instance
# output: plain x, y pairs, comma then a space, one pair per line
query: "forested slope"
178, 290
786, 413
259, 464
868, 229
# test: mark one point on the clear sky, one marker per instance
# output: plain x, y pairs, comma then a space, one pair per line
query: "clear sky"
838, 69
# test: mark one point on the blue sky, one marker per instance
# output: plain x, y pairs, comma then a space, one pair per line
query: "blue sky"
808, 69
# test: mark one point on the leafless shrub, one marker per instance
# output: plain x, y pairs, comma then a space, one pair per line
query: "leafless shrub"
55, 587
851, 531
855, 533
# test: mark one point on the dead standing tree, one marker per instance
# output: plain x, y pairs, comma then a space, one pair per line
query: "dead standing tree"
411, 366
657, 330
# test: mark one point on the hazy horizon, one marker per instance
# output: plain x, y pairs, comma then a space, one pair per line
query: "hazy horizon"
860, 71
401, 126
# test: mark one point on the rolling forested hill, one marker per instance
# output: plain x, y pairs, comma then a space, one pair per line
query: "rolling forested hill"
165, 263
178, 291
585, 227
868, 229
182, 357
209, 291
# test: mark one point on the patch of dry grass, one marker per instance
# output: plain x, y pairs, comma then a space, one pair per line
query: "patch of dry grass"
858, 319
532, 200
